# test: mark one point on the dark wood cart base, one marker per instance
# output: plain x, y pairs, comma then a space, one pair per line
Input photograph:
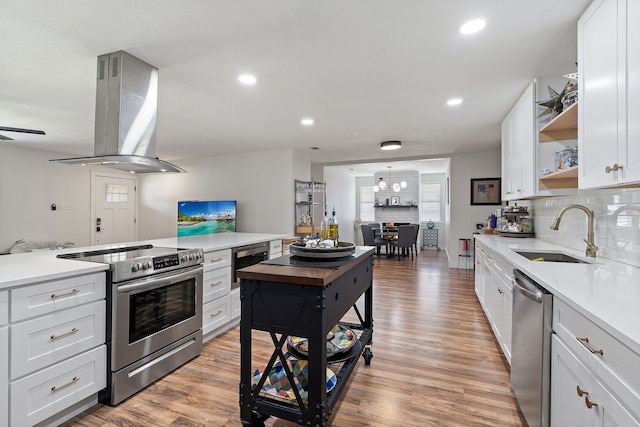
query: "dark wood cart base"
304, 302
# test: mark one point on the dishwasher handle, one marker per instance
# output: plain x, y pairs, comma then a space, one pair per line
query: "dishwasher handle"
527, 287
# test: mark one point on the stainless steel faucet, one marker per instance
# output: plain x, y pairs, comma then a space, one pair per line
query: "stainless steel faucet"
591, 247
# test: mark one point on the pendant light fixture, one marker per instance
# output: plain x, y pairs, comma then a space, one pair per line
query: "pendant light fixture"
382, 185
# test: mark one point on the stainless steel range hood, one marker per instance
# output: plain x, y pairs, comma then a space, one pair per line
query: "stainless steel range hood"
126, 116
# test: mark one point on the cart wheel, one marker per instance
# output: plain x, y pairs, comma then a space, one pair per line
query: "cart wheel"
367, 354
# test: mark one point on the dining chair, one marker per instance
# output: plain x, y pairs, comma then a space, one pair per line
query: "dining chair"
415, 237
369, 239
405, 239
377, 229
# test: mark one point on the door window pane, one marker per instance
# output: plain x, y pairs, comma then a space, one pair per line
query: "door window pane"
116, 193
431, 203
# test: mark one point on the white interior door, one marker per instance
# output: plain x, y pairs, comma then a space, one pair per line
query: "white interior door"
114, 209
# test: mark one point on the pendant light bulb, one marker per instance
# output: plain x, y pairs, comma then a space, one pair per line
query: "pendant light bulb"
403, 184
396, 187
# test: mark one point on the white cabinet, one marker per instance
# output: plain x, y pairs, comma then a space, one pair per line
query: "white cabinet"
4, 375
495, 293
235, 303
586, 356
216, 309
578, 399
275, 248
518, 148
56, 347
609, 87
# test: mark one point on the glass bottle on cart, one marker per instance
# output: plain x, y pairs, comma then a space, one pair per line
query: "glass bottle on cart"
333, 227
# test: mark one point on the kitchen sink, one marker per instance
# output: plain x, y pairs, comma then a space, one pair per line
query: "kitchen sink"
551, 257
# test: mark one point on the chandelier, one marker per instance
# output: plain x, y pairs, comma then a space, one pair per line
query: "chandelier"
382, 185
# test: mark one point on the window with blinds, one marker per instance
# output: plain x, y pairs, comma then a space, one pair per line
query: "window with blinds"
431, 204
367, 198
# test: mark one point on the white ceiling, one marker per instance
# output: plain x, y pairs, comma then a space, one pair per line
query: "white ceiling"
365, 70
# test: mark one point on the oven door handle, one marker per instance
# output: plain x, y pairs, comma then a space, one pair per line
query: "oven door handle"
168, 279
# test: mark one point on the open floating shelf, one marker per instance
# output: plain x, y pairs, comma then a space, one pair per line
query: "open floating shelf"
564, 126
565, 178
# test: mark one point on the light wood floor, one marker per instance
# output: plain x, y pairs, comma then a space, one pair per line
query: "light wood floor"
435, 363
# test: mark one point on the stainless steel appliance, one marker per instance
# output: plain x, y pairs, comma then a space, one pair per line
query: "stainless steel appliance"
244, 256
154, 313
531, 349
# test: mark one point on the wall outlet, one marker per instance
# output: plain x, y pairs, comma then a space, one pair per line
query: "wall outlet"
65, 206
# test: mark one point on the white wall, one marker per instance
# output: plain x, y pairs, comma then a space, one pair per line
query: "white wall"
464, 217
261, 182
29, 184
341, 190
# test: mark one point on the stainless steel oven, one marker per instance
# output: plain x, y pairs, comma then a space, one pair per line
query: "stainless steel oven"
154, 316
244, 256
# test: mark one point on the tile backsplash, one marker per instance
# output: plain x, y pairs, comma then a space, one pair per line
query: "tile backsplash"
616, 225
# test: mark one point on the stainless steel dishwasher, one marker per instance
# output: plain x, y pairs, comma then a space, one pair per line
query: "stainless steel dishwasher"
531, 349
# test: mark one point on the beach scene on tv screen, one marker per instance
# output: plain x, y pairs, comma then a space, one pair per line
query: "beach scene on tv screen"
208, 217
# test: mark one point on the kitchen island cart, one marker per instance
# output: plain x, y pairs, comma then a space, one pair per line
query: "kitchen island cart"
299, 297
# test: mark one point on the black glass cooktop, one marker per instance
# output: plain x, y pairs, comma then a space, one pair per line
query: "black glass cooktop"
111, 255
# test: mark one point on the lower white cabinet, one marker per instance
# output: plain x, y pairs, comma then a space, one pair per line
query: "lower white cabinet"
578, 399
53, 353
4, 307
604, 364
235, 303
41, 395
216, 314
4, 376
275, 248
495, 292
45, 340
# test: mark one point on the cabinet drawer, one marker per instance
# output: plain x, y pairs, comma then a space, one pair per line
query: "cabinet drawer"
215, 314
235, 303
49, 339
617, 366
275, 249
216, 283
47, 392
217, 259
47, 297
4, 307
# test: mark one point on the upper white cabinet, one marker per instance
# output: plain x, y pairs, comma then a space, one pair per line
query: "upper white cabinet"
609, 87
518, 148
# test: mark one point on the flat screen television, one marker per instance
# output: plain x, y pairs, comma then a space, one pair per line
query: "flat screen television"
206, 217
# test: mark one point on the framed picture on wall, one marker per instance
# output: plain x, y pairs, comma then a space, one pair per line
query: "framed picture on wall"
395, 201
485, 191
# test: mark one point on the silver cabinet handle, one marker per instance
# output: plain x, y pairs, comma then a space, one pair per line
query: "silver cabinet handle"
71, 332
581, 391
615, 168
219, 282
585, 342
216, 313
215, 259
73, 292
73, 381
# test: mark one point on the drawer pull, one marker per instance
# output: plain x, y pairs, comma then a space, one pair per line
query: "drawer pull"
216, 313
73, 381
71, 332
73, 292
581, 391
215, 259
219, 282
585, 342
590, 403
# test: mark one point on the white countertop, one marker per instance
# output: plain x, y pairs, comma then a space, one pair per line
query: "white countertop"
33, 267
605, 291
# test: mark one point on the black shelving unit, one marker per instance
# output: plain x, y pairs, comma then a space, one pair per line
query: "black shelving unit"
286, 300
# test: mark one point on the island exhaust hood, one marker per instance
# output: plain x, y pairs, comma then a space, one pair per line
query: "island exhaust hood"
126, 116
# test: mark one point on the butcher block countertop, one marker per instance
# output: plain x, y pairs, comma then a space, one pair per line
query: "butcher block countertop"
319, 272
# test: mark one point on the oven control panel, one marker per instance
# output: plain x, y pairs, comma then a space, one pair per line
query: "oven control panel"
149, 265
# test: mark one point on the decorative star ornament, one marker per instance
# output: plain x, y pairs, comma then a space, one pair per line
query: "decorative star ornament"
554, 104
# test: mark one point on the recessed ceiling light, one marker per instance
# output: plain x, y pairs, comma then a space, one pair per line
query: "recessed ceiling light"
307, 122
247, 79
390, 145
454, 101
472, 26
